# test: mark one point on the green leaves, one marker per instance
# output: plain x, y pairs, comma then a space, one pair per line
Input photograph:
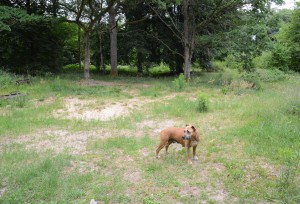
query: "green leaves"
11, 16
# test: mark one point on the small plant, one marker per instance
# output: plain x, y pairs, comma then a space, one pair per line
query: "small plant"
179, 83
21, 101
225, 89
203, 103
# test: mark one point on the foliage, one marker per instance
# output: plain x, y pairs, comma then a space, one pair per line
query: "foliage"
179, 84
162, 69
12, 16
263, 61
281, 56
203, 102
253, 78
33, 45
249, 40
271, 75
286, 52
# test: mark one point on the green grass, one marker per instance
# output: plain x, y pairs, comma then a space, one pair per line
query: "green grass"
249, 147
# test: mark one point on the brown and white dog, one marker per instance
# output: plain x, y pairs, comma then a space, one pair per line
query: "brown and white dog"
187, 137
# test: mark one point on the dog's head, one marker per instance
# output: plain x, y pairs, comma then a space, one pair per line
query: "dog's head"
189, 132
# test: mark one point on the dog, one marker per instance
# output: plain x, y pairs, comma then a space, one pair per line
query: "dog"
187, 137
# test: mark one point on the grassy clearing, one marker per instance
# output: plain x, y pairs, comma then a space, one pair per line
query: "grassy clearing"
249, 150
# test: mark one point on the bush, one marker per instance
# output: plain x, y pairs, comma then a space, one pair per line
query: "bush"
271, 75
253, 78
263, 61
159, 70
6, 79
203, 103
179, 83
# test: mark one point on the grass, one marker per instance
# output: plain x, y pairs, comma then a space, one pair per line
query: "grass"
249, 149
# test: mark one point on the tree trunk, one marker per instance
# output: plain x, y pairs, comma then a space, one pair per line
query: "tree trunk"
28, 6
54, 8
139, 61
113, 42
79, 46
102, 68
86, 54
188, 41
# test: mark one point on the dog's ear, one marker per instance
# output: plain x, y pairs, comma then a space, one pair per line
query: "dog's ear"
186, 125
194, 128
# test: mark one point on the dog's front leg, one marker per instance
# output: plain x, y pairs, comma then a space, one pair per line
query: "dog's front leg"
194, 153
188, 154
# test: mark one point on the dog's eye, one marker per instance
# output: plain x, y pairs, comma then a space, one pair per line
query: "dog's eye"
188, 131
184, 131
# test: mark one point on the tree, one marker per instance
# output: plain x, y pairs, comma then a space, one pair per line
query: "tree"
86, 14
31, 43
113, 41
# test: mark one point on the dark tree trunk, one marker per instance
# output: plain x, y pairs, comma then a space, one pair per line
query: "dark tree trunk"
113, 42
188, 36
139, 61
100, 56
79, 46
86, 54
54, 8
28, 6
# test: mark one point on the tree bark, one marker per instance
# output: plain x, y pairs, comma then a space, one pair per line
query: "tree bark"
86, 54
139, 61
113, 42
102, 68
188, 36
79, 46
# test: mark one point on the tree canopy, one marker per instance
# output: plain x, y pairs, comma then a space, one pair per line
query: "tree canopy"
42, 36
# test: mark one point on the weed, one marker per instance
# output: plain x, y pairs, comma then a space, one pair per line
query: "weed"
179, 84
203, 102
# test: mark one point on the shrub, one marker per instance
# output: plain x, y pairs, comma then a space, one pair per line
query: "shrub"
179, 83
203, 103
159, 70
253, 78
263, 61
271, 75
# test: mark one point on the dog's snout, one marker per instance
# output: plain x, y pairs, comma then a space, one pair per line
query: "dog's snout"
184, 137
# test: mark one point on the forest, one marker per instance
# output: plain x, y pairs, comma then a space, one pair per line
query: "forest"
39, 37
87, 87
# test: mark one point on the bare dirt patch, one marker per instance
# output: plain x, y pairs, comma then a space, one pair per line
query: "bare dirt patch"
83, 109
190, 191
2, 190
59, 141
46, 101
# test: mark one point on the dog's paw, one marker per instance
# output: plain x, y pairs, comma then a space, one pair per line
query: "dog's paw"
157, 157
190, 162
195, 158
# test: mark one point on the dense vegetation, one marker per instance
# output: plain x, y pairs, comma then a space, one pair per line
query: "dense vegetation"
38, 37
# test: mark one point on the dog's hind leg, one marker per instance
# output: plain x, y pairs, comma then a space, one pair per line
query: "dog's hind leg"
167, 146
160, 146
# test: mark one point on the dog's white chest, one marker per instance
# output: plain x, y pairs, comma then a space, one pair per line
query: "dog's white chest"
193, 143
